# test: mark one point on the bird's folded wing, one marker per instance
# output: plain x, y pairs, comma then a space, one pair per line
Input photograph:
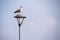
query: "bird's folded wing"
19, 10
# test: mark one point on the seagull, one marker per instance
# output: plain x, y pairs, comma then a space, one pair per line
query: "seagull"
19, 10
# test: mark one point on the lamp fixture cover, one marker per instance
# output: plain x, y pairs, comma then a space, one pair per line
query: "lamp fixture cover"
19, 16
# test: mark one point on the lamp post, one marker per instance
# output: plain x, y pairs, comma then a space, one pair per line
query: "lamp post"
20, 18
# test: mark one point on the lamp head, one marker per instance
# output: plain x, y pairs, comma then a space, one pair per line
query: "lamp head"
20, 19
19, 16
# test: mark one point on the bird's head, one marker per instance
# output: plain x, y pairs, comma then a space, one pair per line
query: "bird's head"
21, 6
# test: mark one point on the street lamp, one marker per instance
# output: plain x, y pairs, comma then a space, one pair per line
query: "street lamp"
20, 18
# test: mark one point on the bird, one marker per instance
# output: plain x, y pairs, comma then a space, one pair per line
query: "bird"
19, 10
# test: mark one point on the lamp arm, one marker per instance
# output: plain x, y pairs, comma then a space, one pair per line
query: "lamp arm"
22, 21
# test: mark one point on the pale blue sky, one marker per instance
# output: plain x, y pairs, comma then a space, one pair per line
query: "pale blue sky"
41, 22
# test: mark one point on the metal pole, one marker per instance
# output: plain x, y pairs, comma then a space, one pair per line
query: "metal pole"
19, 31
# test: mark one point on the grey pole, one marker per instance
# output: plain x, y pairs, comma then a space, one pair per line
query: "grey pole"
19, 30
19, 33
